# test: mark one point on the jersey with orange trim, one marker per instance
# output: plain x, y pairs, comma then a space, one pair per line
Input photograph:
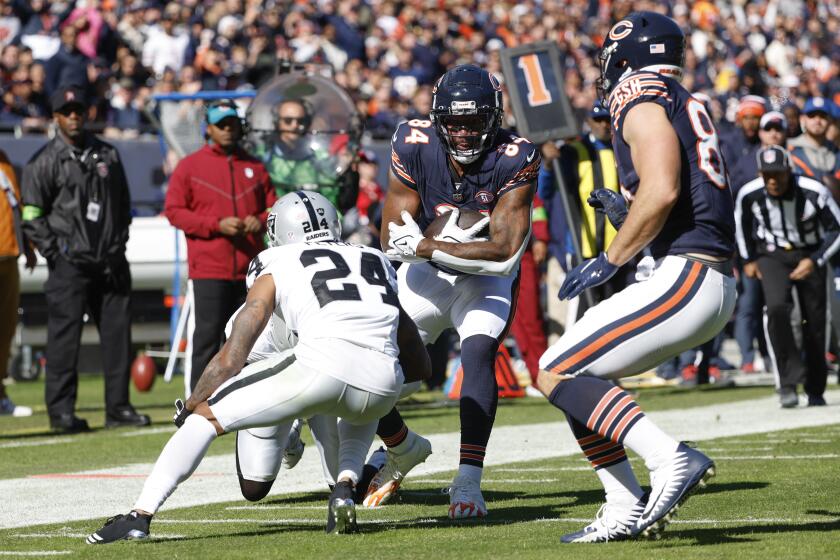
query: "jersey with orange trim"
702, 221
420, 162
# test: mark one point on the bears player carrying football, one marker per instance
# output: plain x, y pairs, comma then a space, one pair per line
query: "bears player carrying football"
459, 158
670, 165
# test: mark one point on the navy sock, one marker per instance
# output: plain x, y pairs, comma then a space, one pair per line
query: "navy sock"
479, 397
392, 429
597, 405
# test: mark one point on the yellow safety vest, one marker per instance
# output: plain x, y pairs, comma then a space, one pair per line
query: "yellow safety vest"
596, 232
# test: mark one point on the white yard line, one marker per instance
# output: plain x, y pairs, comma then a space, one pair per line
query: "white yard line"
101, 493
33, 552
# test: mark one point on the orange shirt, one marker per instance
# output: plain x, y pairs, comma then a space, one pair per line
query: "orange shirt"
8, 241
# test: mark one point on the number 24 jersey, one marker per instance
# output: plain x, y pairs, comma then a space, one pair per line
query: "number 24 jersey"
703, 219
330, 293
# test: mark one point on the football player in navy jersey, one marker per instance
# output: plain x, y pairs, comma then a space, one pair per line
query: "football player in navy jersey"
459, 158
681, 210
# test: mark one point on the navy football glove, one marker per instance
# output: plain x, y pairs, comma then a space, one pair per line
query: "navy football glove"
587, 274
610, 203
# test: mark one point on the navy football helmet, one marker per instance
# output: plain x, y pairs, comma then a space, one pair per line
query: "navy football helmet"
641, 41
467, 111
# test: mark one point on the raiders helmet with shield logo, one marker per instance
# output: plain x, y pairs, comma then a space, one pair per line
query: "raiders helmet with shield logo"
302, 216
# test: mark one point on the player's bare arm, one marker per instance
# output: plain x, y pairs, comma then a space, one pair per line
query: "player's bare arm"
246, 329
510, 224
414, 359
399, 198
655, 150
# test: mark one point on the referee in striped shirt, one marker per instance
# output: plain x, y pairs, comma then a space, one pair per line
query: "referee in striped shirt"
788, 226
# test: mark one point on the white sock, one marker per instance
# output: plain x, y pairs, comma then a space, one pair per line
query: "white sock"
179, 458
470, 471
650, 443
406, 444
620, 483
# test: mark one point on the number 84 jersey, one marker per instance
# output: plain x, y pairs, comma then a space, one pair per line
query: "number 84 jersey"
330, 293
703, 219
420, 162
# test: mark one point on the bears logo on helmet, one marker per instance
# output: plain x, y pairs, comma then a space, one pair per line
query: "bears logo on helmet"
641, 41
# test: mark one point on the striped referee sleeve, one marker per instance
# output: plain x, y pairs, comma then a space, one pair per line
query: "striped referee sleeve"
744, 222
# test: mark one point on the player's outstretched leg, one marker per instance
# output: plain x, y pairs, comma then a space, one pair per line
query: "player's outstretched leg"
295, 446
625, 500
479, 398
176, 463
406, 450
676, 470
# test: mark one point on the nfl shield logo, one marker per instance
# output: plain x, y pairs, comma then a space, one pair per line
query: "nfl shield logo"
484, 197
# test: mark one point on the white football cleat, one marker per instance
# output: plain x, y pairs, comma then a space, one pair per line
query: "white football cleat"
671, 484
465, 499
294, 447
613, 522
386, 482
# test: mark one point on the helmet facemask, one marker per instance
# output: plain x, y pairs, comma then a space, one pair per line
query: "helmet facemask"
467, 132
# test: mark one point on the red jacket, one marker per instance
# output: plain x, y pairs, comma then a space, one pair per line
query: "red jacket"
205, 187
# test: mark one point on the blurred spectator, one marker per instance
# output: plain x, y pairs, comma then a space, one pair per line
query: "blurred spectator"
812, 153
68, 67
12, 244
219, 197
742, 142
77, 210
370, 191
165, 46
9, 23
528, 326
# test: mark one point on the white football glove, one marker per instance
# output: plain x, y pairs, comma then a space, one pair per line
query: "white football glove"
405, 239
453, 233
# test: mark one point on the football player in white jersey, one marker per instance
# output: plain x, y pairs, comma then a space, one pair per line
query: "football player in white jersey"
341, 300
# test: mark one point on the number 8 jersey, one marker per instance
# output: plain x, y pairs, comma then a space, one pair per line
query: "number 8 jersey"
341, 301
703, 219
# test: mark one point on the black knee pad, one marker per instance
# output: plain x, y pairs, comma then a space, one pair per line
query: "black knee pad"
254, 490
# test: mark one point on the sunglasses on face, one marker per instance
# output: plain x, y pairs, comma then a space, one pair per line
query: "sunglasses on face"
290, 120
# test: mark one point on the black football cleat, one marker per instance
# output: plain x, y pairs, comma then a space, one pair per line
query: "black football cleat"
125, 527
68, 424
341, 518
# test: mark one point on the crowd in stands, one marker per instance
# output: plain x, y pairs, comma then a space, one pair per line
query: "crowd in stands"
385, 53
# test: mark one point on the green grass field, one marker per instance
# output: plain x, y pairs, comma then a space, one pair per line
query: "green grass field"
777, 495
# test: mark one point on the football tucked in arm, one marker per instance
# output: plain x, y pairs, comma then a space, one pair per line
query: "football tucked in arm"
466, 220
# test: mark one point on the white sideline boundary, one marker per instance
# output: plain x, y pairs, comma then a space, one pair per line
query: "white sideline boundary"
101, 493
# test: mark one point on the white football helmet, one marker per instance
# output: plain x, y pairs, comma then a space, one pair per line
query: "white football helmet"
302, 216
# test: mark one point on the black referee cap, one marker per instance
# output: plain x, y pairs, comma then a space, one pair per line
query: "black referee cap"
773, 159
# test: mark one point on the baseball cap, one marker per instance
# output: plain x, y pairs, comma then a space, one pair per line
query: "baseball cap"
221, 110
752, 105
818, 104
773, 159
599, 111
773, 117
368, 156
68, 95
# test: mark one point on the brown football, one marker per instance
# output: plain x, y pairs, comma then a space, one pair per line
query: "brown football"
467, 219
143, 371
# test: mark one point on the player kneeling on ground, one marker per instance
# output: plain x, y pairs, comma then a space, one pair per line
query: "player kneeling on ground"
669, 161
341, 300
